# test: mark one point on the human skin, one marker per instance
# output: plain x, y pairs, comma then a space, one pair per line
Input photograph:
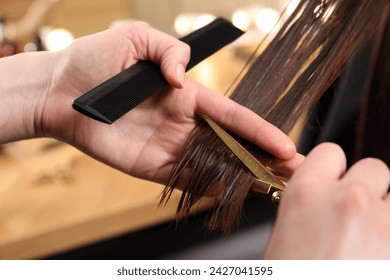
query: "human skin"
329, 212
37, 90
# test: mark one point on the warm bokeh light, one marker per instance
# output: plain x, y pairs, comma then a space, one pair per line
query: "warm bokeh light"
292, 6
267, 20
184, 23
56, 39
188, 22
30, 47
202, 20
241, 20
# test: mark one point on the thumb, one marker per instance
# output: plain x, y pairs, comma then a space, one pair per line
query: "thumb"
170, 53
174, 61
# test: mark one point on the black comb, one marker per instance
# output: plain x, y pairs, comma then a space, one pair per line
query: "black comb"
115, 97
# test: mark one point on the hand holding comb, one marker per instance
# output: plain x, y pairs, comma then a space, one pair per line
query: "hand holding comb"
115, 97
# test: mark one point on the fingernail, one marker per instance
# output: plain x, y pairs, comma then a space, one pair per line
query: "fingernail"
180, 74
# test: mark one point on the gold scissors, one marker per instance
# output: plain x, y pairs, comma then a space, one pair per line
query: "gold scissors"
266, 183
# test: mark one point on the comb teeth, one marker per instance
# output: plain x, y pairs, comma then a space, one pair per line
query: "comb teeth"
120, 94
123, 97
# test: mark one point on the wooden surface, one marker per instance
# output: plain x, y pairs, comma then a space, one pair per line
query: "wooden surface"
53, 199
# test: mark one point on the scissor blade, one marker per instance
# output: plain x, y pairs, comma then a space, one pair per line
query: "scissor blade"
244, 155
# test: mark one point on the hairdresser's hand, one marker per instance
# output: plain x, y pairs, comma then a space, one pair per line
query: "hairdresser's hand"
146, 141
329, 214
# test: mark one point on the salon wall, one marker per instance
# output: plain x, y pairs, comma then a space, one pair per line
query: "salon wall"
88, 16
79, 17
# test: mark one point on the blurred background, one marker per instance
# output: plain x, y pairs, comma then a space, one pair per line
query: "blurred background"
58, 203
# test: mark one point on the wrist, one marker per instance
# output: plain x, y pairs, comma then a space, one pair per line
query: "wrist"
24, 86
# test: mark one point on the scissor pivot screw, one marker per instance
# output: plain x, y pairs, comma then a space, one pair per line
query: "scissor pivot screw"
276, 196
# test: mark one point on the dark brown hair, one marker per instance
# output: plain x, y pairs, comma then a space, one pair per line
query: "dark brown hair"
283, 84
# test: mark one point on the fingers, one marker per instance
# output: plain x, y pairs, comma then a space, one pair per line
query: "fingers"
326, 164
161, 48
325, 160
287, 167
371, 173
173, 63
244, 122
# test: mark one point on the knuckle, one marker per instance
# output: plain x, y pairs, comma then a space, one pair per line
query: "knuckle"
303, 190
230, 115
140, 25
333, 149
377, 163
355, 199
185, 48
